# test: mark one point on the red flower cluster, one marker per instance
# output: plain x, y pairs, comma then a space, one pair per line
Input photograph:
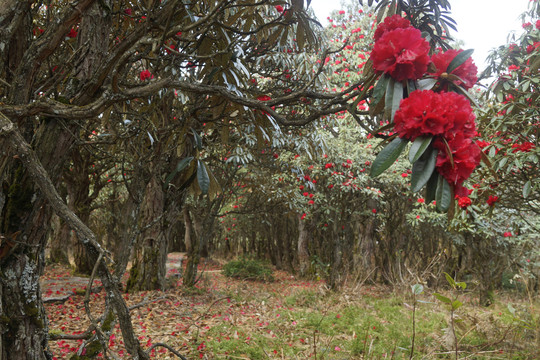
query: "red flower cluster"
391, 23
466, 71
401, 53
492, 200
145, 74
448, 117
525, 147
464, 202
426, 113
72, 33
465, 156
264, 98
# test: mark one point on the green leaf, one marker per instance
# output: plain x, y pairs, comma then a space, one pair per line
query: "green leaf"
461, 284
387, 156
380, 88
417, 289
397, 96
456, 304
389, 94
423, 169
431, 188
527, 189
198, 140
412, 85
511, 309
442, 298
418, 147
182, 164
459, 60
450, 280
443, 196
202, 177
426, 84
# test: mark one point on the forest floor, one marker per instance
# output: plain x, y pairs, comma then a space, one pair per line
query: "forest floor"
290, 318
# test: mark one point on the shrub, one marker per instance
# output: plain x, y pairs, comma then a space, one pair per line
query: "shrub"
248, 269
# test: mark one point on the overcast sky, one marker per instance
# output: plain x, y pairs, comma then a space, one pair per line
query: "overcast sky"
482, 24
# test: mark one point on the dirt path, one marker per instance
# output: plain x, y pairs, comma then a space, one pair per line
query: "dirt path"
58, 284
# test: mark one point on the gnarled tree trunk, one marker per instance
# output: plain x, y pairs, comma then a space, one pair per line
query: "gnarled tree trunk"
149, 260
303, 246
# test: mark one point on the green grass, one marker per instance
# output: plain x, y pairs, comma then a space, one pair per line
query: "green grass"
366, 328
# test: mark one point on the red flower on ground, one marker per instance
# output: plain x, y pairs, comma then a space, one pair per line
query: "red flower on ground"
429, 113
492, 200
402, 54
466, 71
389, 24
465, 157
464, 202
145, 74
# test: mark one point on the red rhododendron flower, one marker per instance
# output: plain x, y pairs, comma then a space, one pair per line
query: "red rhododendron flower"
482, 144
464, 202
145, 74
279, 8
430, 114
389, 24
466, 71
72, 33
264, 98
492, 200
465, 157
525, 147
402, 54
341, 12
507, 234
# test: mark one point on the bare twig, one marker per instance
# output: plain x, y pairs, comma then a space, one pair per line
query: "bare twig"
168, 348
